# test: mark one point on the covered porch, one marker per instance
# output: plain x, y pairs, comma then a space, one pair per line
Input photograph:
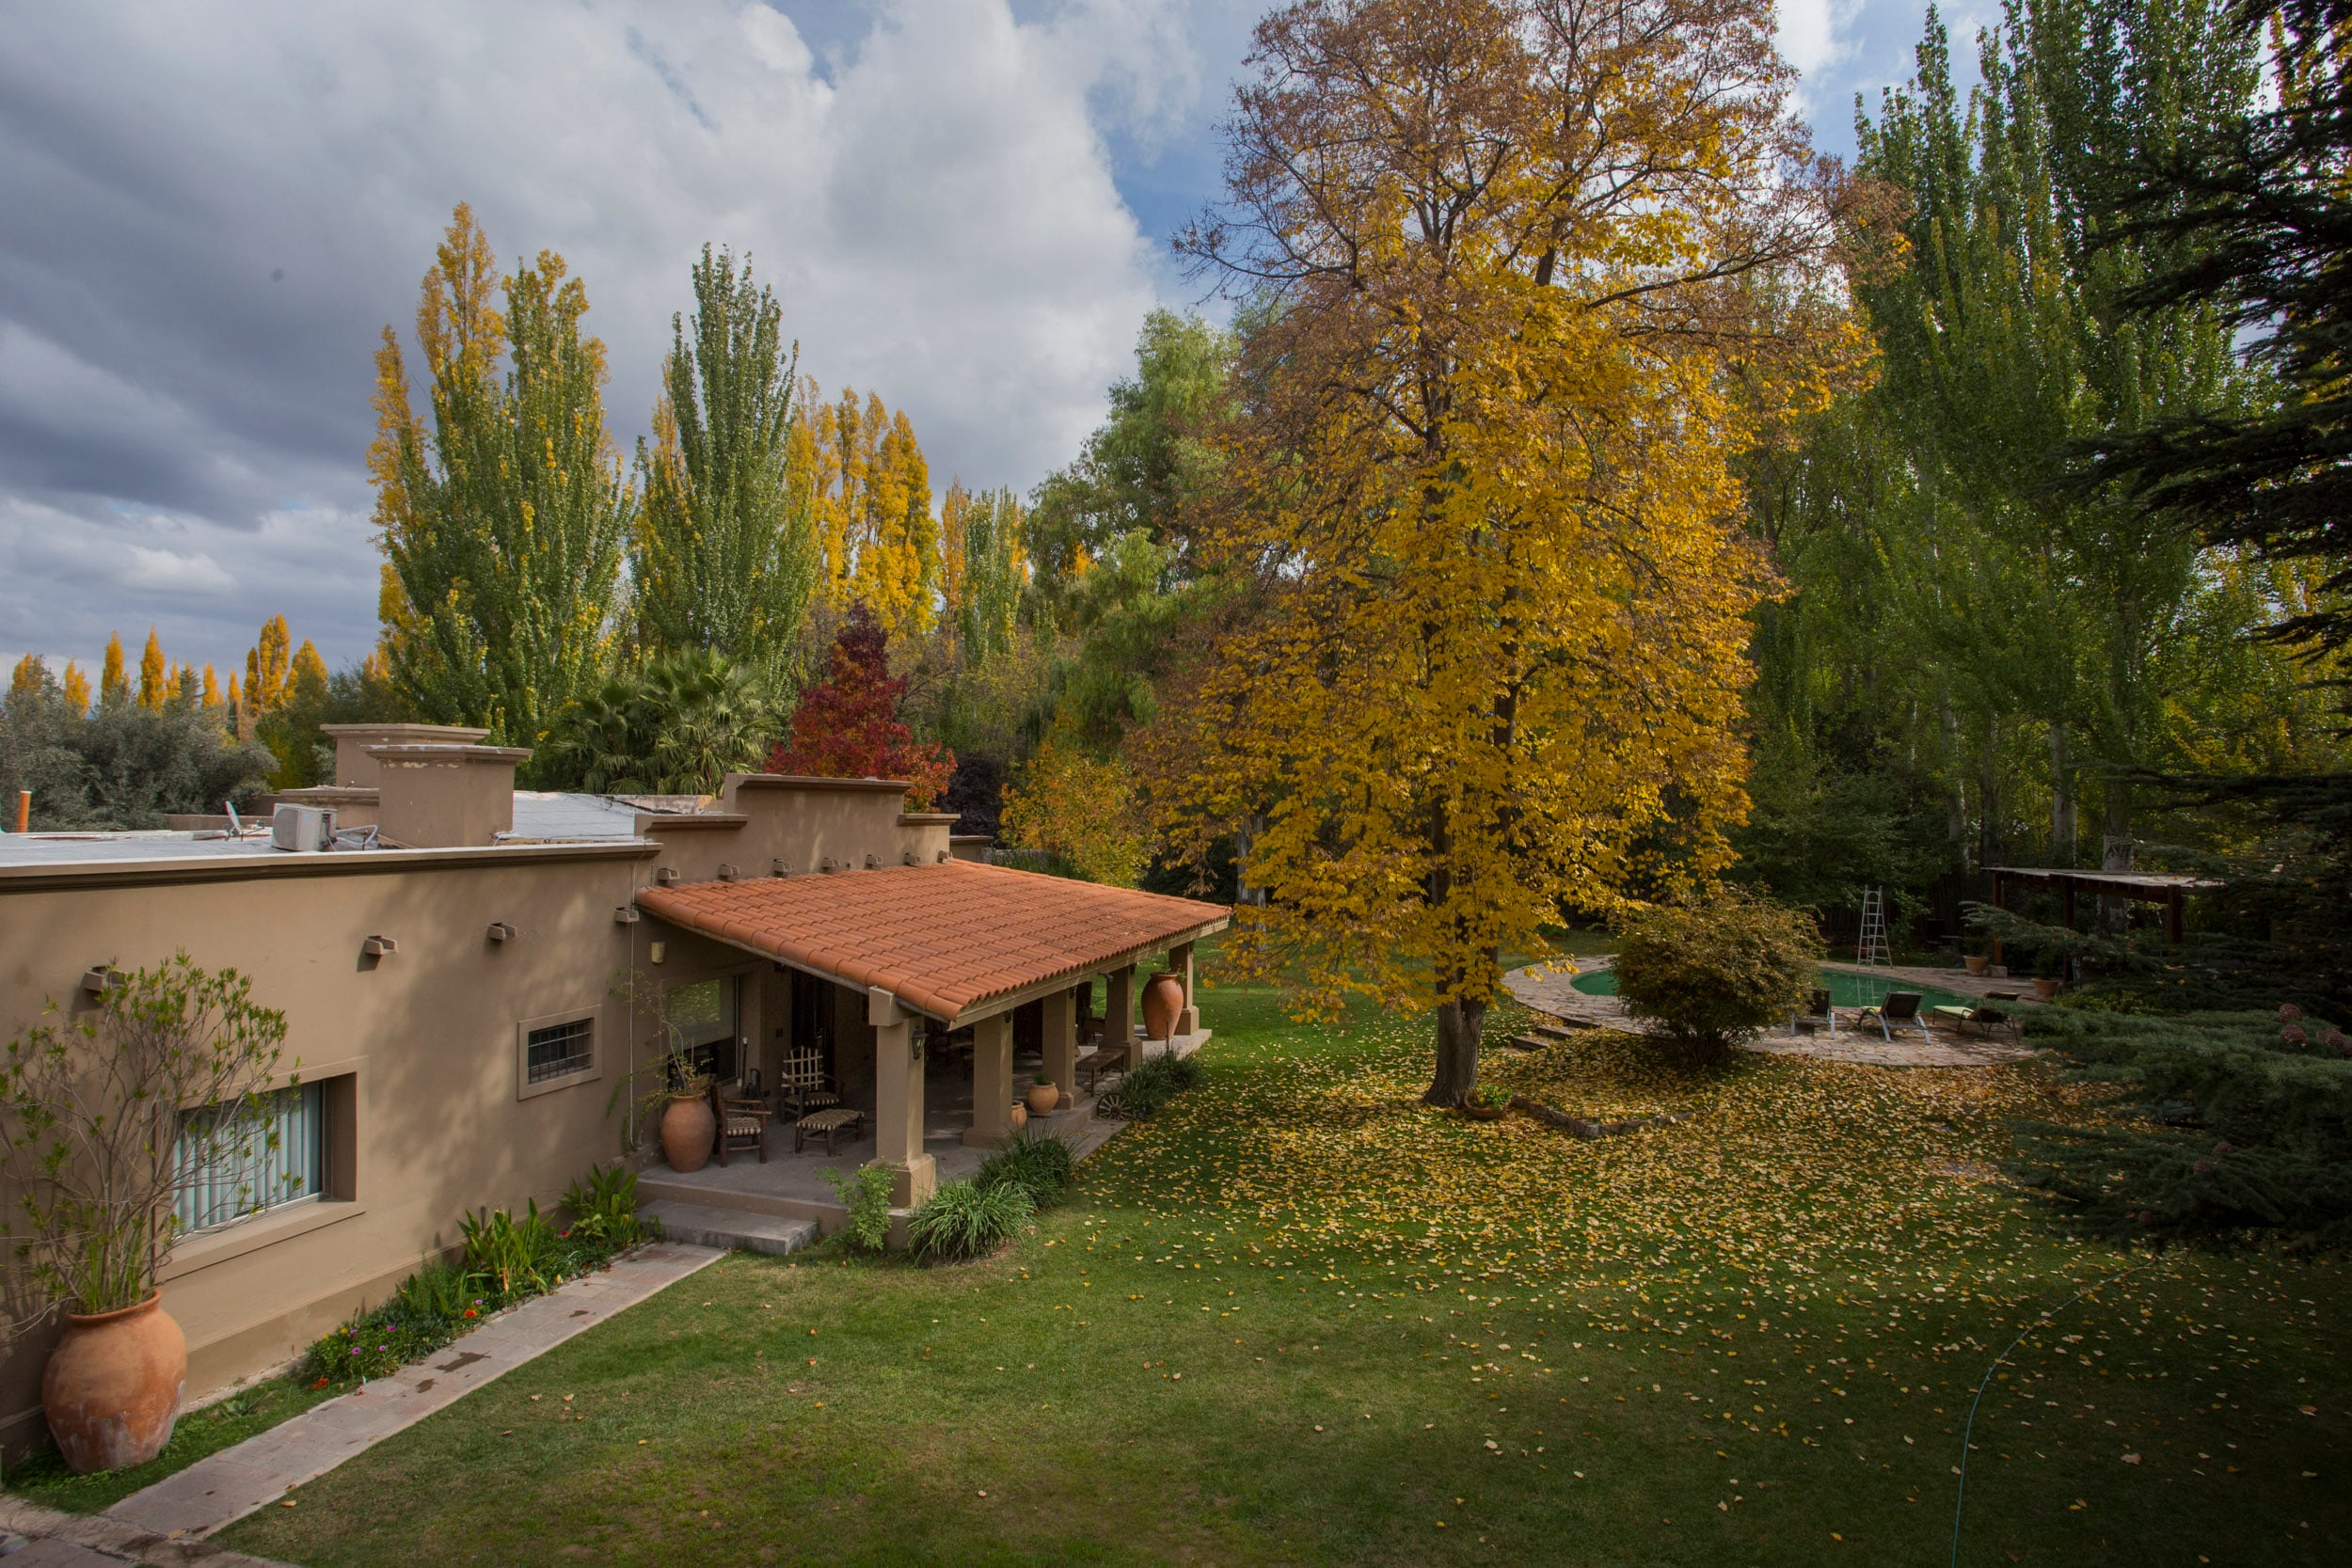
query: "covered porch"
938, 995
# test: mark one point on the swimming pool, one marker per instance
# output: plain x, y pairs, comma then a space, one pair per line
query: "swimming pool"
1846, 989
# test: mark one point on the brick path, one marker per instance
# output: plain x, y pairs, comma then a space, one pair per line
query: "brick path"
217, 1491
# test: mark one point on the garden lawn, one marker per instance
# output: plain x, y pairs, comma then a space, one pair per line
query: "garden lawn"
1300, 1318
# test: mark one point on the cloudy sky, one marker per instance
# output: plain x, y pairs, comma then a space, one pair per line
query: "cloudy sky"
211, 209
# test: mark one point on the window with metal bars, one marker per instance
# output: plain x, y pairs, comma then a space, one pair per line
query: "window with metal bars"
559, 1051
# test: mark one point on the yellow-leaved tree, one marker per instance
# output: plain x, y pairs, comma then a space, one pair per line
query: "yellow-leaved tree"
155, 687
861, 473
1528, 277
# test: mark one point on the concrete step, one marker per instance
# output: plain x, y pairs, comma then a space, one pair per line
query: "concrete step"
702, 1226
1526, 1042
1558, 1031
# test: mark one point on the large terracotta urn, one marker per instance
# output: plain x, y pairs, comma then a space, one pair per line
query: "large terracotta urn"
1163, 999
1042, 1097
688, 1130
112, 1387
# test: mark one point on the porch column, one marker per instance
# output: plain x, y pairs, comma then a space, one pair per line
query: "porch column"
898, 1102
1118, 1007
1062, 1040
992, 1082
1180, 965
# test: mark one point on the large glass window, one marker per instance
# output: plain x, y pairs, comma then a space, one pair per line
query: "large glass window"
274, 1154
703, 1013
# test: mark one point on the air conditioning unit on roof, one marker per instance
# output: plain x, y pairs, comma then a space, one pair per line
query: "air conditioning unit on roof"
307, 829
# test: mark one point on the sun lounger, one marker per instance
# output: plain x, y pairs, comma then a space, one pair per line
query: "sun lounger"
1900, 1008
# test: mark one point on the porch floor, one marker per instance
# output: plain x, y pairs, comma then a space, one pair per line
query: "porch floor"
794, 1185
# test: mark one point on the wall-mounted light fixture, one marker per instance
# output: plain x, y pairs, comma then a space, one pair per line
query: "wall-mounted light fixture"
624, 914
501, 931
656, 951
379, 947
98, 979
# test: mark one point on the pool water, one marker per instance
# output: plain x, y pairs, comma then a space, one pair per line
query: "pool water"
1846, 989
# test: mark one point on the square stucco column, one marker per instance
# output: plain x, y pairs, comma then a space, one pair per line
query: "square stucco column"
1180, 965
1062, 1040
992, 1082
898, 1102
1118, 1007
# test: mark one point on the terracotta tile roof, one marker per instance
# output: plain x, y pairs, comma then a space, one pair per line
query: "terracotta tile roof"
941, 938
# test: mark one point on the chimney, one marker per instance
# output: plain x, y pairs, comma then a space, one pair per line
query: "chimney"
356, 769
445, 797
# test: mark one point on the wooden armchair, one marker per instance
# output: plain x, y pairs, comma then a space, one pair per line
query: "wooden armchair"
741, 1122
802, 1086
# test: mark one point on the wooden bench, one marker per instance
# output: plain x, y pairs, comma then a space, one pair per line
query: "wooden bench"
831, 1122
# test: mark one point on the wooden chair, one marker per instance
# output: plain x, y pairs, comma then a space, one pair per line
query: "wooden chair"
741, 1122
802, 1086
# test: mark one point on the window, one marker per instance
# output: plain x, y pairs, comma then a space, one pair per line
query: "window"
555, 1050
703, 1013
559, 1051
272, 1155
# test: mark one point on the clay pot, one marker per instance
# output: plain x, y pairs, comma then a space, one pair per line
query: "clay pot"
1042, 1097
688, 1129
2045, 987
112, 1388
1020, 1115
1163, 999
1978, 963
1485, 1113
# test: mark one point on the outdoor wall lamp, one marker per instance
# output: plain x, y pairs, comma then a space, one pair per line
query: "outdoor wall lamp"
379, 947
656, 951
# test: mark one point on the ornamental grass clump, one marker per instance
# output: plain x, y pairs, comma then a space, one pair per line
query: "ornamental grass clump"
1040, 1164
1155, 1083
964, 1220
1704, 975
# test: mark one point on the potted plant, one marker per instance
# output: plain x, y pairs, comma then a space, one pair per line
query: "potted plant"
1042, 1097
1978, 962
2047, 967
678, 1098
1486, 1104
104, 1120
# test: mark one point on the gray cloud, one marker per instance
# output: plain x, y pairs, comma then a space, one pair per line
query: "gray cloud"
215, 211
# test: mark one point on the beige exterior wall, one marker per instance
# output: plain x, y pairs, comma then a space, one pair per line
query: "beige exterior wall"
429, 1115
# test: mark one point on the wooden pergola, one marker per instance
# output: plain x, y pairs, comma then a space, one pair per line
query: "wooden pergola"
2168, 888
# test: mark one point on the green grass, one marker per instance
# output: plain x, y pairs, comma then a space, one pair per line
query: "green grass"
43, 1478
1298, 1318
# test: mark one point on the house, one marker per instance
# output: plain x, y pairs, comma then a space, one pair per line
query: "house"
471, 974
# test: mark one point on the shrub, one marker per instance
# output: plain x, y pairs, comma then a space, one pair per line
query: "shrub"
438, 1289
866, 1192
1709, 973
963, 1219
1040, 1164
1157, 1081
517, 1256
604, 1207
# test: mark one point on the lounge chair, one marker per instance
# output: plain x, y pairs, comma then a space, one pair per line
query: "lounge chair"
1900, 1007
1818, 1011
1983, 1020
741, 1122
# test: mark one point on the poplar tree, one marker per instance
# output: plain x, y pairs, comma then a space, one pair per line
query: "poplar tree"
503, 517
983, 569
870, 493
1533, 275
154, 679
114, 686
726, 554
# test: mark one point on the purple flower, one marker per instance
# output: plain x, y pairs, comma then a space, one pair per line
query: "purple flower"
2204, 1167
2289, 1012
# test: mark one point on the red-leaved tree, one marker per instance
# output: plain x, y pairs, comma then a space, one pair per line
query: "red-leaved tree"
847, 726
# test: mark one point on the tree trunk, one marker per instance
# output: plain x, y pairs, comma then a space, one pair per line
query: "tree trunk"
2062, 831
1458, 1027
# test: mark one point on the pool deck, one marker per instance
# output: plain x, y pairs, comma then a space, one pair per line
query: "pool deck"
1552, 989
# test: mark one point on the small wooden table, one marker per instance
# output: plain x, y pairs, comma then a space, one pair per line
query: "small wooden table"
829, 1123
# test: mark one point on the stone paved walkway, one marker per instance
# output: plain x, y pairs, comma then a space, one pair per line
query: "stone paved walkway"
1553, 989
37, 1537
217, 1491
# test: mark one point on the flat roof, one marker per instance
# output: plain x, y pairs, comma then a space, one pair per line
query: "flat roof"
2148, 881
69, 848
946, 939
